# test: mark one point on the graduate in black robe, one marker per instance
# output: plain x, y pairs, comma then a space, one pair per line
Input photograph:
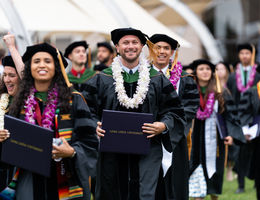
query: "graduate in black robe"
245, 101
11, 78
65, 112
76, 52
173, 184
105, 55
161, 100
209, 170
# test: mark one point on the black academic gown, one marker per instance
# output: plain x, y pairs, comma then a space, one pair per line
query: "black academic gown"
214, 184
6, 171
175, 185
246, 104
163, 102
31, 186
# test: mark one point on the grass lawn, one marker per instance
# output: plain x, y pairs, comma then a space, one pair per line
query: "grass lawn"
229, 189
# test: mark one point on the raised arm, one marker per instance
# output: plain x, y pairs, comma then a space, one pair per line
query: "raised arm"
9, 40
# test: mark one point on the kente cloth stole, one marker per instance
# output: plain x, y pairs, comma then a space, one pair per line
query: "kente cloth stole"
9, 192
67, 190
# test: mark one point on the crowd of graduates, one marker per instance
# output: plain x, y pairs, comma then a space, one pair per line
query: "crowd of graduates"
203, 114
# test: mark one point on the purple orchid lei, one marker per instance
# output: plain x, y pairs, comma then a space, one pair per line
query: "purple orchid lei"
49, 111
202, 115
175, 74
250, 82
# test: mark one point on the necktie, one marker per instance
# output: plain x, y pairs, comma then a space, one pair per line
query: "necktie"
245, 77
131, 72
161, 71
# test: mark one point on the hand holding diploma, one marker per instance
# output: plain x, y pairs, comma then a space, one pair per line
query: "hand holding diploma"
4, 134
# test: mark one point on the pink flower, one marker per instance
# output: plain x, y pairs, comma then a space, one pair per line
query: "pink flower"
49, 111
202, 115
250, 82
175, 74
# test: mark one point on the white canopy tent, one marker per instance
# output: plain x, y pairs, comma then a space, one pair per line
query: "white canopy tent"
85, 16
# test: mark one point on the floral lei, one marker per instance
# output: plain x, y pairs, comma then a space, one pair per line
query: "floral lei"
250, 82
49, 111
142, 83
202, 115
4, 101
175, 74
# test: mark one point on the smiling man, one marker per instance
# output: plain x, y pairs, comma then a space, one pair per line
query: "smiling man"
174, 184
76, 52
146, 91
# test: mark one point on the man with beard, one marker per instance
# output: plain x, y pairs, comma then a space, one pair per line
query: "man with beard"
145, 91
174, 181
105, 55
79, 74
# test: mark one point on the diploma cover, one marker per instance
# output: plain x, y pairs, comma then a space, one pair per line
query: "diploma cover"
222, 127
29, 146
124, 132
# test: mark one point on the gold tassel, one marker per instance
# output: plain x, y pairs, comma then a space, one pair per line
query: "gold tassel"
63, 70
175, 57
89, 57
253, 55
218, 83
152, 50
226, 155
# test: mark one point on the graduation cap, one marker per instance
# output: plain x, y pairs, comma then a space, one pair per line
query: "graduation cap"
54, 52
42, 47
106, 45
244, 46
117, 34
198, 62
73, 45
164, 38
7, 61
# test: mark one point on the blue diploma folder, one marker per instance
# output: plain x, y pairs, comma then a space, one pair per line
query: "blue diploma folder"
29, 146
222, 127
124, 132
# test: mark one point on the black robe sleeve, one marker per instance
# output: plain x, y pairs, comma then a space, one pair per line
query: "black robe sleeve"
231, 118
189, 95
171, 113
85, 143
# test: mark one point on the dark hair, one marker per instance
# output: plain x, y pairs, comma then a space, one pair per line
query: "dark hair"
212, 88
3, 88
27, 82
2, 53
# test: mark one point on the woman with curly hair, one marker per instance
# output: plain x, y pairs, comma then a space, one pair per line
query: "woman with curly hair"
8, 88
45, 99
208, 139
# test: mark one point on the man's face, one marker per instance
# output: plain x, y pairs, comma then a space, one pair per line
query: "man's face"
164, 53
245, 56
103, 54
78, 55
129, 47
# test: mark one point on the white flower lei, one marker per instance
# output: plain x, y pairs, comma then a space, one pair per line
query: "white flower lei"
4, 100
142, 83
